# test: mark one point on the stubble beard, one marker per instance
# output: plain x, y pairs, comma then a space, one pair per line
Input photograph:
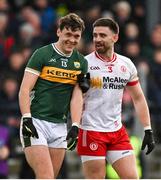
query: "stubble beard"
103, 50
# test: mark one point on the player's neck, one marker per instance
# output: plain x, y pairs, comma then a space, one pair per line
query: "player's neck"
107, 56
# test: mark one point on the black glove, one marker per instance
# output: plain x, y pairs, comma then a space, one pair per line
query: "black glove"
84, 82
28, 129
148, 141
72, 138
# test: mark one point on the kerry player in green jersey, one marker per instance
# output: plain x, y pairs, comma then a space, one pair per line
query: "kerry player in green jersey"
49, 90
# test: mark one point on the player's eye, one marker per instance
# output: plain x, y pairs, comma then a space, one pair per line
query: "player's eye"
102, 35
94, 35
68, 34
76, 36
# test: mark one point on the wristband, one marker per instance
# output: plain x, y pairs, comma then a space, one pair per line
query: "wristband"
26, 115
75, 124
147, 128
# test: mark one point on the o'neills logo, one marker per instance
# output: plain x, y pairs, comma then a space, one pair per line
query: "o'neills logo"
93, 146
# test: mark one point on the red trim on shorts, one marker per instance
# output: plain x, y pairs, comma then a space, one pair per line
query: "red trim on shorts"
133, 83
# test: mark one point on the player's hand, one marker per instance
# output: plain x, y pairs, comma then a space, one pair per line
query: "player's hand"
72, 138
28, 129
84, 82
148, 141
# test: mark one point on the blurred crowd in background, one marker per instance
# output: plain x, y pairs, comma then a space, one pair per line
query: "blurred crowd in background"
26, 25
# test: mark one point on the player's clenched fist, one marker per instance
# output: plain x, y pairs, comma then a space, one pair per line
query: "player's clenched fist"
72, 137
28, 129
84, 82
148, 141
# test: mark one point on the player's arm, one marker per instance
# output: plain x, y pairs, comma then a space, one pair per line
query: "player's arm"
142, 111
76, 105
76, 112
27, 85
140, 104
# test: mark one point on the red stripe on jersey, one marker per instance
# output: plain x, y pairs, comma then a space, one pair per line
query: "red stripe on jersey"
133, 83
104, 59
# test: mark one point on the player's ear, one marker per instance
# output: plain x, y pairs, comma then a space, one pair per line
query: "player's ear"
58, 32
115, 38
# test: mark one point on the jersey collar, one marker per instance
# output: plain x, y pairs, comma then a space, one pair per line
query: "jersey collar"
113, 59
59, 52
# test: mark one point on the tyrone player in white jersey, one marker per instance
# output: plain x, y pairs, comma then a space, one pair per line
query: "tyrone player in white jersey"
102, 136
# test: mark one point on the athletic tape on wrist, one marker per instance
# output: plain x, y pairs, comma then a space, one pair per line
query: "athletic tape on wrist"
27, 115
75, 124
147, 128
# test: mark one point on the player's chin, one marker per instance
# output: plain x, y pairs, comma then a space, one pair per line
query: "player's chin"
70, 49
99, 50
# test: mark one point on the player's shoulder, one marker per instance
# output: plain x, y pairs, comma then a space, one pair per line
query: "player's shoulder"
124, 59
90, 56
46, 48
80, 56
44, 51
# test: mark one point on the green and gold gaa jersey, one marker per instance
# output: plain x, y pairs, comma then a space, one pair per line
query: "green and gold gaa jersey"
51, 95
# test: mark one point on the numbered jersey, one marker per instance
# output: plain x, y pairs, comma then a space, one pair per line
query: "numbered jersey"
102, 103
51, 95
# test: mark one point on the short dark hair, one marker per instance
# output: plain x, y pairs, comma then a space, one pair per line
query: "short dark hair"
72, 21
107, 23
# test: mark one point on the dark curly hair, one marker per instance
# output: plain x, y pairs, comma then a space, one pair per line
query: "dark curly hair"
71, 21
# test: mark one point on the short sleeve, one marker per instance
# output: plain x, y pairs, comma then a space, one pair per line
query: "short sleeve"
85, 66
35, 63
133, 75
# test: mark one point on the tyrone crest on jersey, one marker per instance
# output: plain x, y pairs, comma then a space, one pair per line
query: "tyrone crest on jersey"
123, 68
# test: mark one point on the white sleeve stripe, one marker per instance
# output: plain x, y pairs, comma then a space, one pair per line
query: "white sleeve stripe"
32, 71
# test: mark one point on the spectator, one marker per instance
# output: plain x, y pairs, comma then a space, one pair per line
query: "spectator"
132, 50
131, 32
30, 31
153, 42
4, 152
154, 92
8, 98
47, 14
122, 12
14, 66
6, 41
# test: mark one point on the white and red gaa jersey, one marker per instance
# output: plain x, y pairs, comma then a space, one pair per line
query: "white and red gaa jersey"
103, 101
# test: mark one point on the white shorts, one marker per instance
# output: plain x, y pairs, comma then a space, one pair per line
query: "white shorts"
111, 156
50, 134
